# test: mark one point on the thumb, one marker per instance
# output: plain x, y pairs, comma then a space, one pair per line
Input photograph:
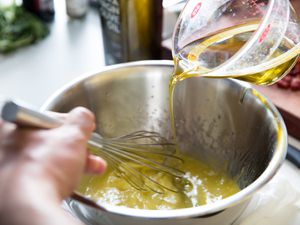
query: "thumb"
95, 165
81, 118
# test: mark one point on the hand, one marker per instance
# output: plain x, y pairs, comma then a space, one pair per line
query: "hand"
39, 168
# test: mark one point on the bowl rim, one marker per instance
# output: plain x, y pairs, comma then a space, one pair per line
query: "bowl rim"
278, 156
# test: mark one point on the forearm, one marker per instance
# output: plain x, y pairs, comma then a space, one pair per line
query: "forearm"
32, 216
32, 203
37, 214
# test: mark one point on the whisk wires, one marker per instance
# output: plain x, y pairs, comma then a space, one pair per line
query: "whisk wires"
133, 155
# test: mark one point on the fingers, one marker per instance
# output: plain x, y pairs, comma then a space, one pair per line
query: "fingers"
86, 120
95, 165
83, 118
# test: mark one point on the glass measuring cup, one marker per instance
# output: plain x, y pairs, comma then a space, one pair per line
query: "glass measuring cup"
252, 40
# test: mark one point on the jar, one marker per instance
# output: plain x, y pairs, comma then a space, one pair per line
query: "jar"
76, 8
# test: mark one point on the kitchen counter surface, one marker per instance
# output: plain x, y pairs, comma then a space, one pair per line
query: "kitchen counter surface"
74, 47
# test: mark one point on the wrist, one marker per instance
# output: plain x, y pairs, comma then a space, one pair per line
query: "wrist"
33, 205
21, 198
37, 213
25, 191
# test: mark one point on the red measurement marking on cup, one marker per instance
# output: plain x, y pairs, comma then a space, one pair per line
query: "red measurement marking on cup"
196, 9
264, 34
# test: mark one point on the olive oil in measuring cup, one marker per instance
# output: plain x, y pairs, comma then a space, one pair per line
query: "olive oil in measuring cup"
219, 47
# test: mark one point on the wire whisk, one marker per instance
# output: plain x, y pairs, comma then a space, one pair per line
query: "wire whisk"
134, 154
130, 155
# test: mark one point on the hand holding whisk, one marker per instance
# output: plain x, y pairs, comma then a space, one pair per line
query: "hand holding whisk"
145, 149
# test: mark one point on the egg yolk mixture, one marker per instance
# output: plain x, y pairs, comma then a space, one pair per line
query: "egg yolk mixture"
202, 185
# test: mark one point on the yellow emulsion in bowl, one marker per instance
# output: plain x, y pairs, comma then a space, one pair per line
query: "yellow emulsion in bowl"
203, 185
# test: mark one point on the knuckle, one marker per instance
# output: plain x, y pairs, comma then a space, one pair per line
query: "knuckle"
84, 113
83, 118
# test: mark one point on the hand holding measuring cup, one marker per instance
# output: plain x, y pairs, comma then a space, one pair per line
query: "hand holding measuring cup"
253, 40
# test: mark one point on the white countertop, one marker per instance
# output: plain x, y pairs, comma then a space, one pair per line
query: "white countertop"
74, 47
278, 202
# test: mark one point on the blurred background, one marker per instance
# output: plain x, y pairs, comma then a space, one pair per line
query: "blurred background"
37, 59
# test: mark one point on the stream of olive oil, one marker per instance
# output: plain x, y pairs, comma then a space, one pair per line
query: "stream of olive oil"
227, 43
203, 55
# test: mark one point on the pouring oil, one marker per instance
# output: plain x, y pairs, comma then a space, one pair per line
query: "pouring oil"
201, 57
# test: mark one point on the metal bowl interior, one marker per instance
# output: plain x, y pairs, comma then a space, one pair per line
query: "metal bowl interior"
220, 121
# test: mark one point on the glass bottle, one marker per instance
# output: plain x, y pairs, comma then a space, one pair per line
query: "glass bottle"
44, 9
131, 29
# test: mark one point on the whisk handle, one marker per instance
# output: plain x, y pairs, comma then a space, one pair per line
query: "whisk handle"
14, 112
22, 115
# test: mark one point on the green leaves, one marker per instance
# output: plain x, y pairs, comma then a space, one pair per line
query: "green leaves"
19, 28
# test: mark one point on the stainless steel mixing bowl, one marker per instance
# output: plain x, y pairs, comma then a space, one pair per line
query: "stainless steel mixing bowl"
220, 121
